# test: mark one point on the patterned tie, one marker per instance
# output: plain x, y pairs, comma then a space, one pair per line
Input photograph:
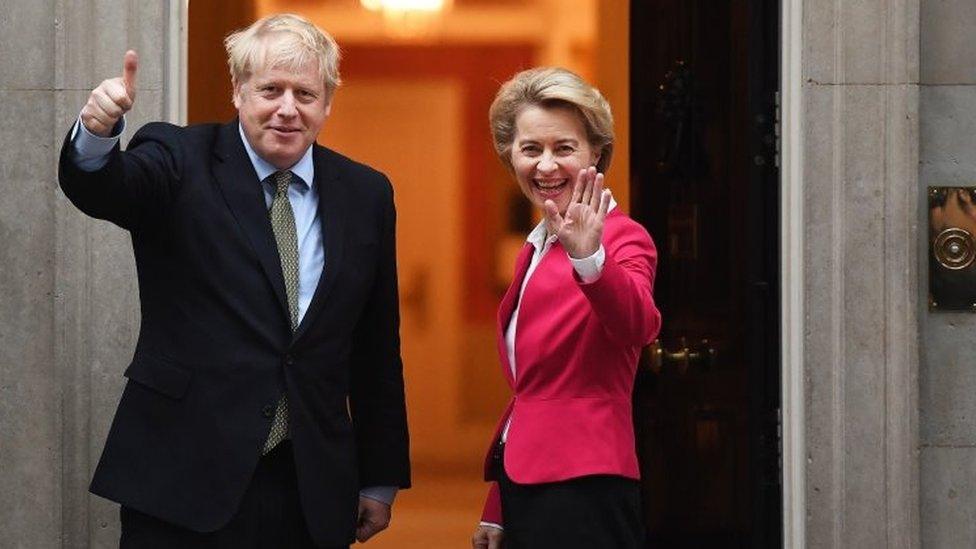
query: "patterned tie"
283, 226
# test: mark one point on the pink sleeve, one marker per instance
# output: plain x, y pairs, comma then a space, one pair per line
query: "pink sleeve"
623, 296
493, 506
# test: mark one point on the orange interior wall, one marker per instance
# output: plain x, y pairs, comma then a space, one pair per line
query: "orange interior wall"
208, 80
613, 79
480, 69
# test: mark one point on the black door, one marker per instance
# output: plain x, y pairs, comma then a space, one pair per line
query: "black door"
704, 82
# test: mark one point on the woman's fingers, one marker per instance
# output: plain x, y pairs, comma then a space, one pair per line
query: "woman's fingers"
495, 539
487, 537
604, 204
554, 221
578, 187
590, 174
597, 195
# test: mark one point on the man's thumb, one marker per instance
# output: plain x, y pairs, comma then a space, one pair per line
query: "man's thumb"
130, 65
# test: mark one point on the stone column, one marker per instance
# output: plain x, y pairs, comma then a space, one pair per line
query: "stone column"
947, 375
860, 131
30, 393
69, 310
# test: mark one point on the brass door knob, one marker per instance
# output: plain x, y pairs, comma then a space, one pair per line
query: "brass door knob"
655, 356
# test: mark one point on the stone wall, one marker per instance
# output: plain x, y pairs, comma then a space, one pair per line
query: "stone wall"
947, 375
68, 298
68, 310
860, 131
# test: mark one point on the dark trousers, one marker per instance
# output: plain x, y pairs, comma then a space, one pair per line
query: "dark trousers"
270, 516
591, 512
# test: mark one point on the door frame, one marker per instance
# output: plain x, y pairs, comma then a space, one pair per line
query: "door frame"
792, 250
791, 238
175, 61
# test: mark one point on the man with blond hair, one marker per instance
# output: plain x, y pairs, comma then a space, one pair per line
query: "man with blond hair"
264, 406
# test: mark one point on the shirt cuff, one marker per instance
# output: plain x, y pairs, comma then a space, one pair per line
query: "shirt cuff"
590, 268
382, 494
491, 525
92, 151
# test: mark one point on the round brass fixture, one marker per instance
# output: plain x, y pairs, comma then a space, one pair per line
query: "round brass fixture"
955, 249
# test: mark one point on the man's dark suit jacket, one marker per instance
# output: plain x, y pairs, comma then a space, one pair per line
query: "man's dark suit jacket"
216, 349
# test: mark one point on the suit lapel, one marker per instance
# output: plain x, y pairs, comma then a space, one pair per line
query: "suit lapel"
332, 215
507, 307
241, 189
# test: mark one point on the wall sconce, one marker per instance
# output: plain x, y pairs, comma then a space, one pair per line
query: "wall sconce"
408, 18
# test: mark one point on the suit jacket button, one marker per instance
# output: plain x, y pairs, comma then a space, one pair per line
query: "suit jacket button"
268, 411
289, 361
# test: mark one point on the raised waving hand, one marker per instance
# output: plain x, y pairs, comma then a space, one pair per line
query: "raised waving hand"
580, 228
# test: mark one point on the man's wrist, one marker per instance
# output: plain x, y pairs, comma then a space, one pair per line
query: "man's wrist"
91, 151
382, 494
115, 134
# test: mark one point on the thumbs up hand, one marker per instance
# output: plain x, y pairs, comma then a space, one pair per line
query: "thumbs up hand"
111, 99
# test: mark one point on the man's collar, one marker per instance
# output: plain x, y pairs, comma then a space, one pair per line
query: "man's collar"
304, 168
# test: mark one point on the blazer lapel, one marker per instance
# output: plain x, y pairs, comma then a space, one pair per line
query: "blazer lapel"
239, 184
332, 214
507, 307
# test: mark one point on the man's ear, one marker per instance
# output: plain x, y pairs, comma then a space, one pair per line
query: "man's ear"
235, 95
328, 108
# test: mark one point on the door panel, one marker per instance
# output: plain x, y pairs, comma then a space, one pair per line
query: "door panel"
705, 183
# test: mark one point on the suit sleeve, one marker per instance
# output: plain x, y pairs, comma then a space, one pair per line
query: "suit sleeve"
132, 186
376, 399
622, 296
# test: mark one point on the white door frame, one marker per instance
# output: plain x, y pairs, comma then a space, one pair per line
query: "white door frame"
793, 436
175, 61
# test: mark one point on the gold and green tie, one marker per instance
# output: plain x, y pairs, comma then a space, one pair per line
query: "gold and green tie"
283, 226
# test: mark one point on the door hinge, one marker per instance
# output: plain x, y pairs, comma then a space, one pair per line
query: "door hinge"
777, 127
779, 439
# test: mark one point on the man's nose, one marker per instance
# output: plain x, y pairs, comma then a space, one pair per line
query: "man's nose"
287, 105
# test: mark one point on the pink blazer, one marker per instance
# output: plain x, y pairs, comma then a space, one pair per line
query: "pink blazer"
576, 350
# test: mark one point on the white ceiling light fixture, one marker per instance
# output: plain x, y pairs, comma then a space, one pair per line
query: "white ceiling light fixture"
408, 18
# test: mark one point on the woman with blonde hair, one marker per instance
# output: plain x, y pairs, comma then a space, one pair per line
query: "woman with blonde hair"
562, 464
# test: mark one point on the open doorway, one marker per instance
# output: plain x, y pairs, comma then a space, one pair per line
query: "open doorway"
415, 106
699, 124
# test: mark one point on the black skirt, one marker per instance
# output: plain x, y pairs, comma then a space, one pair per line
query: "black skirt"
591, 512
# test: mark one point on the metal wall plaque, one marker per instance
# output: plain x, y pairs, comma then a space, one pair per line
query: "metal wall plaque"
952, 249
